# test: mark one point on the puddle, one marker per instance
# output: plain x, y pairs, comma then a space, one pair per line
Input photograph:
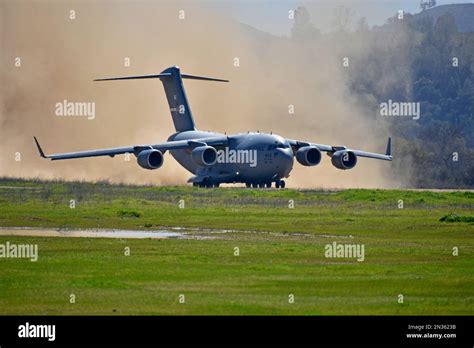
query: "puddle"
161, 233
94, 233
232, 231
335, 236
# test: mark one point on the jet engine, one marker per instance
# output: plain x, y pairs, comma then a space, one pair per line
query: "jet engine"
343, 159
205, 156
150, 159
308, 156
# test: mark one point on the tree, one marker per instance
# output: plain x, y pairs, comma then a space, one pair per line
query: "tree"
303, 28
362, 26
342, 18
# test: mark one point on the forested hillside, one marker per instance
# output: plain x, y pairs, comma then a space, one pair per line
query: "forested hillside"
417, 59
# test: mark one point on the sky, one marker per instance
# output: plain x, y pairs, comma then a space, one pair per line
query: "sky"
272, 15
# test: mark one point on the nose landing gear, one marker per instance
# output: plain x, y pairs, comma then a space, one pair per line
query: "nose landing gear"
280, 184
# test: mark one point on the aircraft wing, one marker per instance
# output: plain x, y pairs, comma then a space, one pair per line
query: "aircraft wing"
296, 144
169, 145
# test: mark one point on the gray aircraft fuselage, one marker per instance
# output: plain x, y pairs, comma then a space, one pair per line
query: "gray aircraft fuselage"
274, 158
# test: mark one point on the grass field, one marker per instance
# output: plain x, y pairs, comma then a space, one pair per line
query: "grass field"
408, 251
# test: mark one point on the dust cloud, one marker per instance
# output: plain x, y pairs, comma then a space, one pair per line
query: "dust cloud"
61, 56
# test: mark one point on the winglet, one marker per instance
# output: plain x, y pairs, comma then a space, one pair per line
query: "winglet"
388, 152
40, 150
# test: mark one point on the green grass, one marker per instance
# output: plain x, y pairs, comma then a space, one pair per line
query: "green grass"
408, 251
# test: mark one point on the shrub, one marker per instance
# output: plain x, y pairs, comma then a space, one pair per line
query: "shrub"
129, 213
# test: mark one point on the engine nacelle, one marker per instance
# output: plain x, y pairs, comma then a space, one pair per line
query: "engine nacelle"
308, 156
343, 159
150, 159
205, 156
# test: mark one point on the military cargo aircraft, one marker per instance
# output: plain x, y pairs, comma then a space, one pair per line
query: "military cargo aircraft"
255, 159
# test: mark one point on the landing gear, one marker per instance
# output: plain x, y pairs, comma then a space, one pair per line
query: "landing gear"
205, 184
280, 184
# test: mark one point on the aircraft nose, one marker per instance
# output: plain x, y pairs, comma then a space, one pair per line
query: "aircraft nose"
285, 162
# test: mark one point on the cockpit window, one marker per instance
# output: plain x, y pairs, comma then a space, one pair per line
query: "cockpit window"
278, 146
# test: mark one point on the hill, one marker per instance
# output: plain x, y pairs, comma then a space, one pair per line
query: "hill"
463, 15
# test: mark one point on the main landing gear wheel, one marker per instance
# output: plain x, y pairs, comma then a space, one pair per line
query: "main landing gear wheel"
247, 184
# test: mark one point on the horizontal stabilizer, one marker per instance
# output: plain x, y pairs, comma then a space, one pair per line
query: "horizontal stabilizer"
159, 76
135, 77
172, 80
204, 78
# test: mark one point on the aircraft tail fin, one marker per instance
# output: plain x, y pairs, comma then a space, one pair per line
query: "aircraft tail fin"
175, 94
